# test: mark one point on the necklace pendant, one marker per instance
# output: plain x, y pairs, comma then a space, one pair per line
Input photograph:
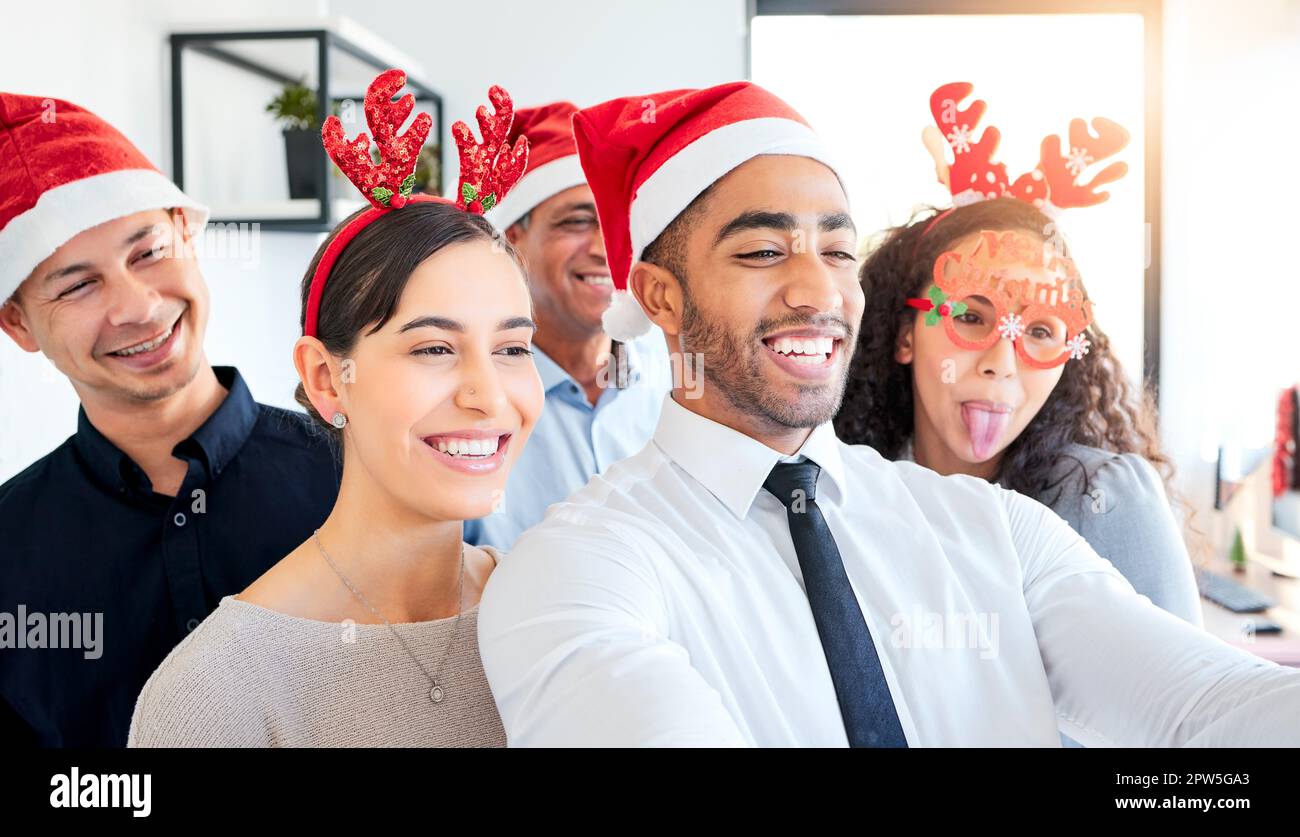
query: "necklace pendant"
435, 694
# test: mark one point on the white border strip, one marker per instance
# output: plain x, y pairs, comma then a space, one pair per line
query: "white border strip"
66, 211
688, 173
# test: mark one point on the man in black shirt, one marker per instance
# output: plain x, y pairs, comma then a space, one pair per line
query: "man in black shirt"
177, 488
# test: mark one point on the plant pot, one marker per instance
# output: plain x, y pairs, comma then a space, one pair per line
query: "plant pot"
302, 148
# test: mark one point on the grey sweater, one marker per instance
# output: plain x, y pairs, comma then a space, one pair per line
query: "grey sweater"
1117, 502
1125, 516
252, 677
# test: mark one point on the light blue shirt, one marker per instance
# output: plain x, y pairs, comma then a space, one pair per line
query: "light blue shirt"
573, 440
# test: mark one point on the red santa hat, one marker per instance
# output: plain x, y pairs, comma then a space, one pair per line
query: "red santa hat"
647, 157
552, 160
64, 170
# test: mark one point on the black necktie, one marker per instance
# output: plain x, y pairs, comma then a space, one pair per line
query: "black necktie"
870, 718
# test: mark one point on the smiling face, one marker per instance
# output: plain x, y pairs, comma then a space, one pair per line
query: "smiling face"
442, 398
567, 272
120, 309
972, 403
770, 295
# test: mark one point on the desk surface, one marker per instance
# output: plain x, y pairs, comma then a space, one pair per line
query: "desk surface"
1233, 628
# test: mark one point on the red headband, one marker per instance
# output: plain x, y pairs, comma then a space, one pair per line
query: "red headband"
487, 171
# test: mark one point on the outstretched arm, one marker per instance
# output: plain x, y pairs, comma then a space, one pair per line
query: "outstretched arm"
1124, 672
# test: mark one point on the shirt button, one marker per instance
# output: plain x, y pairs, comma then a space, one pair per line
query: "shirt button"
192, 624
573, 387
179, 519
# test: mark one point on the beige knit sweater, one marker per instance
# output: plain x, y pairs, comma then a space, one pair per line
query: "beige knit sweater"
252, 677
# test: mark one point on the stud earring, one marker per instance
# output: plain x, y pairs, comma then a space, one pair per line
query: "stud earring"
338, 420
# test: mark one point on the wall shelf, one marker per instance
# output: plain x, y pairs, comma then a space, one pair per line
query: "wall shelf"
230, 153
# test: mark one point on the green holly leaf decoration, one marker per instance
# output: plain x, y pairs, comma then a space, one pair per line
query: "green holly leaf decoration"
381, 194
468, 192
489, 201
957, 309
408, 185
937, 296
932, 318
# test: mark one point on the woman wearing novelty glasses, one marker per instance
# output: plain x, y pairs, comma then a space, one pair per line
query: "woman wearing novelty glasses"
978, 355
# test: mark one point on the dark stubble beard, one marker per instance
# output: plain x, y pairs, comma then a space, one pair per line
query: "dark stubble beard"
733, 363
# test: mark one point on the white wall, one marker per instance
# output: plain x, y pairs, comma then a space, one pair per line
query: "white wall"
112, 59
1231, 275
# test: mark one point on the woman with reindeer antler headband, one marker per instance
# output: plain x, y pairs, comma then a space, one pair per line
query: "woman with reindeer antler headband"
416, 359
979, 354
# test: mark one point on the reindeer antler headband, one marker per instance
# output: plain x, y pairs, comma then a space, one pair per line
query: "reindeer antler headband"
487, 170
1053, 186
1046, 322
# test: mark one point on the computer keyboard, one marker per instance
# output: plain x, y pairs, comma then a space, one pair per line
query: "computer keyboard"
1228, 593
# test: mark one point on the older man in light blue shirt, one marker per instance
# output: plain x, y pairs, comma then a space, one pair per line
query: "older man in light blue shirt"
575, 439
597, 410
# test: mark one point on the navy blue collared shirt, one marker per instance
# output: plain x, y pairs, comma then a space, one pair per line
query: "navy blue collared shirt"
100, 576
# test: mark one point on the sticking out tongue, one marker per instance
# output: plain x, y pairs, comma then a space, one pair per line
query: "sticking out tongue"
985, 428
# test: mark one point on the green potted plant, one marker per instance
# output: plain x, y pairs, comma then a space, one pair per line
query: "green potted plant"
428, 170
1237, 554
295, 109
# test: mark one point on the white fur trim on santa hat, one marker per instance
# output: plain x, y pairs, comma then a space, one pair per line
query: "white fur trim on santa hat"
624, 320
66, 211
690, 171
534, 187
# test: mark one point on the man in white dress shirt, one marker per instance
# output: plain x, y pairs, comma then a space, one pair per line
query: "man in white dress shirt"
690, 596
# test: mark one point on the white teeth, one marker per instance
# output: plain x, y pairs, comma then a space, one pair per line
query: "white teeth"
469, 447
814, 348
592, 279
144, 347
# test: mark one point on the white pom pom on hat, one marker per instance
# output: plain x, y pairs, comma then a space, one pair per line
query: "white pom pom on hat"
624, 319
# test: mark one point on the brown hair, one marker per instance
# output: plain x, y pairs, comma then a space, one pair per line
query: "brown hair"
1092, 404
367, 281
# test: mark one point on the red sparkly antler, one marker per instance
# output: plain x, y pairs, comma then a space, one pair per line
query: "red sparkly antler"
386, 184
488, 171
972, 168
1064, 173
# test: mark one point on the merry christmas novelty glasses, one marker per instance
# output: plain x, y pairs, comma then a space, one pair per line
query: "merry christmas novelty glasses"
1010, 286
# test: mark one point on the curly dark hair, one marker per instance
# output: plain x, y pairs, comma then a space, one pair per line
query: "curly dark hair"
1092, 404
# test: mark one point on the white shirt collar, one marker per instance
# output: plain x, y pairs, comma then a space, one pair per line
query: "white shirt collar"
731, 465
